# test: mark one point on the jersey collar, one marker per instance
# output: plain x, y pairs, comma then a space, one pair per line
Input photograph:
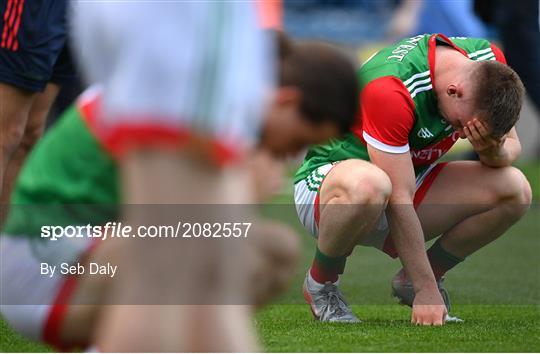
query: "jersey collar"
432, 43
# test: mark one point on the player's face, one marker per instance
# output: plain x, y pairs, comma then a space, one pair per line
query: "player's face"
459, 122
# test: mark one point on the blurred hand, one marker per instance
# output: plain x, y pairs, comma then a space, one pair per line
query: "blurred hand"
428, 308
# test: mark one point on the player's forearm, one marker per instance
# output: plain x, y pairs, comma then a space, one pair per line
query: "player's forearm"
502, 156
408, 238
405, 227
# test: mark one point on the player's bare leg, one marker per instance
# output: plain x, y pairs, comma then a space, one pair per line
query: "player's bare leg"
352, 197
15, 105
184, 268
470, 205
33, 130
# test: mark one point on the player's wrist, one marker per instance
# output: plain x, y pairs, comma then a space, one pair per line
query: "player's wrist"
495, 157
491, 151
425, 284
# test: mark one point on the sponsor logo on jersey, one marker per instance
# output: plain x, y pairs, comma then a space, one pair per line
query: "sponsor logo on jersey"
432, 153
425, 133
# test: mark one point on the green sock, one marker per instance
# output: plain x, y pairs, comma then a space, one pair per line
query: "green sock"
441, 260
326, 268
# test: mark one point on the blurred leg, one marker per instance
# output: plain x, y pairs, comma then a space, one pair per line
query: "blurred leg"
175, 271
33, 130
15, 105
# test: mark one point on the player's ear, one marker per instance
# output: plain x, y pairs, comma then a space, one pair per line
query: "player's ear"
288, 95
452, 91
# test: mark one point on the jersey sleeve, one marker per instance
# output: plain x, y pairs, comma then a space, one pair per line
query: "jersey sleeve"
387, 115
499, 55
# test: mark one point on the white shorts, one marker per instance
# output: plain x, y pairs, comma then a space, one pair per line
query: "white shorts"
206, 67
306, 199
34, 304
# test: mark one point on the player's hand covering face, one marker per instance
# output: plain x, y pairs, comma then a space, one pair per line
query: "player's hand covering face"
478, 133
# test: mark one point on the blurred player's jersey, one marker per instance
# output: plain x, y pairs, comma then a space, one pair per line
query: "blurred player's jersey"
178, 67
69, 178
400, 75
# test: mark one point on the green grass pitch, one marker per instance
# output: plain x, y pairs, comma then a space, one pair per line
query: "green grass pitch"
496, 292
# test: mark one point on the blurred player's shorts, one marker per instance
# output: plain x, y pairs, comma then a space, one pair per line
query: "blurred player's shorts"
33, 303
33, 47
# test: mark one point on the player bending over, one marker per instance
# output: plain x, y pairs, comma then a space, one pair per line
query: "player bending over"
382, 185
76, 164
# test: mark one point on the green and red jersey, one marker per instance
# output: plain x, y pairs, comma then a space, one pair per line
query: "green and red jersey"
398, 106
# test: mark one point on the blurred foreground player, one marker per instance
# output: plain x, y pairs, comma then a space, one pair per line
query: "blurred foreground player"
34, 63
184, 97
382, 184
74, 164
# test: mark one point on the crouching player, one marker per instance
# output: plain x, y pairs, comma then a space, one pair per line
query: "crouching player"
75, 164
382, 184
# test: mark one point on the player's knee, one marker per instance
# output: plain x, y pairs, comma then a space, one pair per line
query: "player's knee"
526, 192
30, 138
368, 186
515, 185
11, 139
515, 192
